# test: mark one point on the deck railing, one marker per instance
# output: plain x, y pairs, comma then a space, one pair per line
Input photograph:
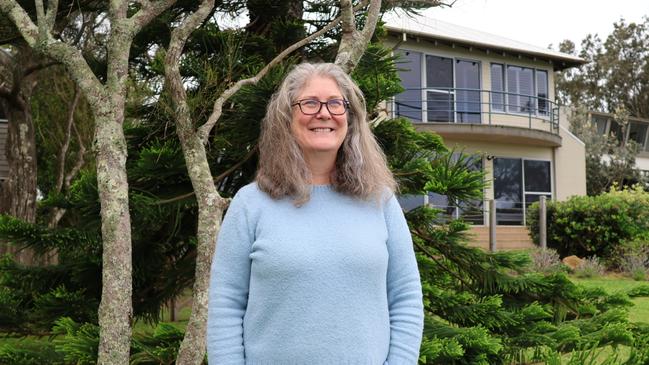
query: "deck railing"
476, 106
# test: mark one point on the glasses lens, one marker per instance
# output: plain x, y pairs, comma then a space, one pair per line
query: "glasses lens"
336, 106
310, 106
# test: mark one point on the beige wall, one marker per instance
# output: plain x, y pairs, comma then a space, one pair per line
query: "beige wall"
571, 162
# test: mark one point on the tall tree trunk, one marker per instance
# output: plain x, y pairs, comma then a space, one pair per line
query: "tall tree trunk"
18, 193
115, 309
210, 203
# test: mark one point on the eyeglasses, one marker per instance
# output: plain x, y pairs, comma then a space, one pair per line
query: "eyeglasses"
313, 106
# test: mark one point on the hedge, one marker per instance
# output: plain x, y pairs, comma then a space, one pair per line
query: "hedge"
593, 225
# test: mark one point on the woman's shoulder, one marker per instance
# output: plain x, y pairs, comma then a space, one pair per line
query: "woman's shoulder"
250, 194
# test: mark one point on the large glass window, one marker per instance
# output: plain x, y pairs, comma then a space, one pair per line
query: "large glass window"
542, 92
497, 87
467, 83
616, 131
470, 211
600, 123
440, 95
508, 191
520, 85
408, 103
517, 184
537, 181
638, 133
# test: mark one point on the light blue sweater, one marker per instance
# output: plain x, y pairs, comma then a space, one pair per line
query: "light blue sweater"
332, 282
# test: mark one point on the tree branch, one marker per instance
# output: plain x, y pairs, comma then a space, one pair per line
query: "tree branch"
220, 177
353, 42
37, 67
217, 110
66, 142
148, 12
21, 19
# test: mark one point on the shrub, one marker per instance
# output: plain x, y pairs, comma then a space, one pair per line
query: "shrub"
633, 258
546, 261
593, 225
590, 267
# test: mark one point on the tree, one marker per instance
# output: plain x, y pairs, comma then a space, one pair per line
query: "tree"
609, 161
109, 116
615, 80
106, 101
616, 75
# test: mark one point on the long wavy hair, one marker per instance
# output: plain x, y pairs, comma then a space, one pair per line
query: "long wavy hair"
361, 170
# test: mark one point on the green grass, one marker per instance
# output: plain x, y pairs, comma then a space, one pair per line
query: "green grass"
613, 283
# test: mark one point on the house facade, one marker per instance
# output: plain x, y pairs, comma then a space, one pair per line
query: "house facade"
493, 97
636, 130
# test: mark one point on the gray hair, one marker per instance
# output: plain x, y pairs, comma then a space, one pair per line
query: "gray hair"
361, 169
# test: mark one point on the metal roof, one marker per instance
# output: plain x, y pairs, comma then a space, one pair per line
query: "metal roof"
435, 29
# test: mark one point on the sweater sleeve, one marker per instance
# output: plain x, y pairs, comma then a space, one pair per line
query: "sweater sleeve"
405, 301
229, 282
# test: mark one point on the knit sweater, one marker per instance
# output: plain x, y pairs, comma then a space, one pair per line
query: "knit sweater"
333, 282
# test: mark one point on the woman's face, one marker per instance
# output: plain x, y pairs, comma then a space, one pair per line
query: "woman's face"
320, 134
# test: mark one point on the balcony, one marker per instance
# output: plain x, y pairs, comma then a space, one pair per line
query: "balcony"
481, 115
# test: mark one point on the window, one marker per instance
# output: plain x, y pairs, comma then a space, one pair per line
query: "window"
470, 211
542, 92
408, 103
519, 89
497, 87
600, 123
449, 92
440, 95
638, 133
517, 184
467, 82
616, 131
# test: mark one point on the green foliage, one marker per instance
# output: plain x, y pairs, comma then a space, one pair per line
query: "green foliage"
79, 343
29, 352
616, 74
593, 226
160, 347
609, 163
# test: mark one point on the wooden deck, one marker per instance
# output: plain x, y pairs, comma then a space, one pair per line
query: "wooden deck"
507, 238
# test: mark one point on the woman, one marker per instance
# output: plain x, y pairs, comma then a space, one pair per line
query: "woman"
314, 262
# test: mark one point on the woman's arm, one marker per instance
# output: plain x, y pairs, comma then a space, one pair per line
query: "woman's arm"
404, 290
229, 280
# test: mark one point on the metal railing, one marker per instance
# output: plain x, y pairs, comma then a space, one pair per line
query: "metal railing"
476, 106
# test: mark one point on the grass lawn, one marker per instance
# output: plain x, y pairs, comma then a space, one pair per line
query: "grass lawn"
613, 283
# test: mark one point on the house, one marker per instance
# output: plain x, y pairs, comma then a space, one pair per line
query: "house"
494, 97
636, 130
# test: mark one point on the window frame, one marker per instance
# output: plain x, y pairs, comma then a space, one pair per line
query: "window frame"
505, 78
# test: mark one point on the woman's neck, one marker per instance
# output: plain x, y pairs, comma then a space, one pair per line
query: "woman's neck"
321, 169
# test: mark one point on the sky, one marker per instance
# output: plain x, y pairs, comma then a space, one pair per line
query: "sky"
542, 22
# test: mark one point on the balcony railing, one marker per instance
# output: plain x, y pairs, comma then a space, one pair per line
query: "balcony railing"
477, 106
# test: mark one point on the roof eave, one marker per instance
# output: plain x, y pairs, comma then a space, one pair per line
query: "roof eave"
560, 63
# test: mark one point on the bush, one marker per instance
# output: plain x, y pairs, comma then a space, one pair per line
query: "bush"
593, 225
546, 261
633, 258
590, 267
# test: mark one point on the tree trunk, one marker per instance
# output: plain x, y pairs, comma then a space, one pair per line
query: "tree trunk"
210, 211
18, 194
115, 309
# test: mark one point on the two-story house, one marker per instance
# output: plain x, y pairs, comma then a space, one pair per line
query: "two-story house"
494, 97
